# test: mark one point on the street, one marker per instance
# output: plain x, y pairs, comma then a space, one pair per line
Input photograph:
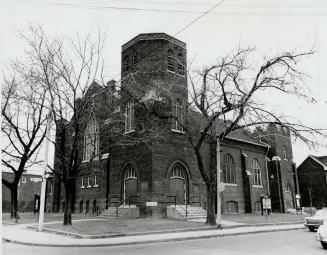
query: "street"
285, 242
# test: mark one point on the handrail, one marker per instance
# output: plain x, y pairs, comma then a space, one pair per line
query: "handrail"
180, 205
200, 201
101, 205
129, 200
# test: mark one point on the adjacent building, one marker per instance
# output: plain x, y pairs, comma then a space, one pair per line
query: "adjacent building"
312, 175
28, 186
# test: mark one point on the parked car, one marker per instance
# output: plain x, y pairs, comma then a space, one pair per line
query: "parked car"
322, 234
316, 220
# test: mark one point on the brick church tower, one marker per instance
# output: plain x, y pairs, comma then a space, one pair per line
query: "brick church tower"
282, 181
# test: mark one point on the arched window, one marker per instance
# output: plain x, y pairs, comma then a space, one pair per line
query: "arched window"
129, 117
134, 60
130, 173
181, 69
126, 63
81, 206
257, 172
229, 169
177, 121
87, 206
231, 207
170, 59
284, 153
178, 172
91, 140
94, 207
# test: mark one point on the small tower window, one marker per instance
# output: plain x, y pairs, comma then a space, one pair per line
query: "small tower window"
181, 69
126, 63
284, 153
134, 61
129, 117
170, 66
177, 123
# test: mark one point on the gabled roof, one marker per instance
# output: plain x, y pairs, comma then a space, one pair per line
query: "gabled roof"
320, 160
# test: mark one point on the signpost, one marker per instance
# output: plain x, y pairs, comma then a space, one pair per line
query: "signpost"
44, 180
265, 204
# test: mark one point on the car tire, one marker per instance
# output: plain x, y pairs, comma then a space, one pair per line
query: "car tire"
324, 245
311, 229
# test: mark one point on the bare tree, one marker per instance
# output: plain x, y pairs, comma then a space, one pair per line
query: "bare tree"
228, 96
23, 109
84, 106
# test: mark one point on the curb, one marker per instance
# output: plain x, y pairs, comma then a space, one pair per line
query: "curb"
83, 236
151, 241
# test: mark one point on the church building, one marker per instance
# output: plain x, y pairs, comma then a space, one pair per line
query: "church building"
152, 178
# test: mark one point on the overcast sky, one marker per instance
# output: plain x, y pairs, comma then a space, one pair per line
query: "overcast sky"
271, 26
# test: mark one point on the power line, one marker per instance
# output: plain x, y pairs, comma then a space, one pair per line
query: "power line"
203, 14
256, 13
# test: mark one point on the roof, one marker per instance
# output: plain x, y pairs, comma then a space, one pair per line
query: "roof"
241, 135
153, 36
322, 160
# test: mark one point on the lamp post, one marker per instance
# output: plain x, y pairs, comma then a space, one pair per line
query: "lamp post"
45, 166
220, 186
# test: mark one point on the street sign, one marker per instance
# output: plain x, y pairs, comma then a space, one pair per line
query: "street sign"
151, 204
266, 202
221, 186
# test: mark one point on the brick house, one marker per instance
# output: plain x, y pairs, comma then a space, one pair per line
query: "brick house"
251, 167
312, 175
28, 186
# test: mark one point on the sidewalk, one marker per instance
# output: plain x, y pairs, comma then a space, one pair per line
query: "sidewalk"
20, 234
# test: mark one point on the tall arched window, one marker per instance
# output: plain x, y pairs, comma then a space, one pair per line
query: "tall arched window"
177, 121
91, 140
229, 169
129, 117
178, 172
181, 69
257, 172
170, 59
284, 153
134, 60
126, 63
130, 173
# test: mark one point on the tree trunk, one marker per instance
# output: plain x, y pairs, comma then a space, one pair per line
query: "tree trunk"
211, 217
14, 202
68, 207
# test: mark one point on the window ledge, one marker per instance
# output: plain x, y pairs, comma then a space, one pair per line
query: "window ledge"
181, 75
85, 161
177, 131
170, 71
95, 186
82, 187
88, 186
231, 184
257, 186
130, 131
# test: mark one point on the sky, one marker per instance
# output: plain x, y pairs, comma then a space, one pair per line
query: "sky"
271, 26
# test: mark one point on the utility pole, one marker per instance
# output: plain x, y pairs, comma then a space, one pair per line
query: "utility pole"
219, 187
45, 166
